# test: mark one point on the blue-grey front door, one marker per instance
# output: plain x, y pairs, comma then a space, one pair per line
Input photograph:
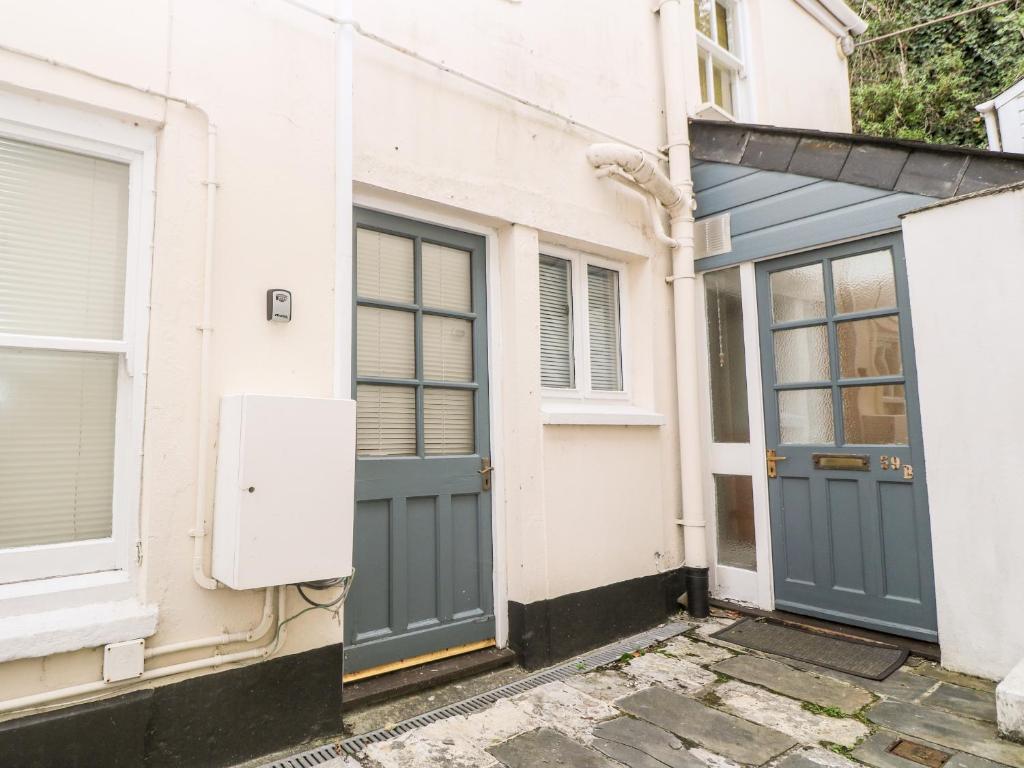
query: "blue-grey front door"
849, 513
423, 555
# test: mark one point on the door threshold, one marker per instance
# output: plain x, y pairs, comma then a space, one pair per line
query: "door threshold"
415, 661
924, 650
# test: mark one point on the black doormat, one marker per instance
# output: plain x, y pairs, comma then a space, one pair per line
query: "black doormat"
861, 658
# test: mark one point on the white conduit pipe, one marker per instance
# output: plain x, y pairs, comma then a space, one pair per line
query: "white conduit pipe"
248, 636
217, 660
205, 328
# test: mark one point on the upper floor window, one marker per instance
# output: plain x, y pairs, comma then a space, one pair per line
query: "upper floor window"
581, 325
718, 54
70, 403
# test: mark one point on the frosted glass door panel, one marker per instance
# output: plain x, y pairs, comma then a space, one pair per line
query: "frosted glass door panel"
798, 294
446, 278
57, 453
864, 282
734, 501
875, 415
805, 416
727, 363
870, 347
384, 267
447, 349
63, 242
801, 355
385, 343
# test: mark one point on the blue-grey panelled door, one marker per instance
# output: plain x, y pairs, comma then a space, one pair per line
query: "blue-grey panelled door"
423, 554
849, 514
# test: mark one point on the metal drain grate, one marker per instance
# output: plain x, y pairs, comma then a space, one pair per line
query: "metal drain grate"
585, 663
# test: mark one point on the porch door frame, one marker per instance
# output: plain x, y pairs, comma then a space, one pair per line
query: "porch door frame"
370, 198
735, 584
755, 588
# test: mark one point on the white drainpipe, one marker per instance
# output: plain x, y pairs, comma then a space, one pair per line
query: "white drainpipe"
675, 193
988, 111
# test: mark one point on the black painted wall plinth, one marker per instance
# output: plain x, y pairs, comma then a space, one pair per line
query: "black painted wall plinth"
211, 721
548, 631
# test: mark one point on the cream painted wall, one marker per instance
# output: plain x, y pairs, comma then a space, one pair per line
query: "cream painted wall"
965, 273
263, 71
799, 75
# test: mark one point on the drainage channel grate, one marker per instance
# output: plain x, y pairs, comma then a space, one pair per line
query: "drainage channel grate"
585, 663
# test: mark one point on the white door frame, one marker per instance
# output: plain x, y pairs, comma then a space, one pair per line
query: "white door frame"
421, 210
736, 584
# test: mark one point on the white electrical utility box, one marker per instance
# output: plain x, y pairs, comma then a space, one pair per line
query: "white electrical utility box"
285, 490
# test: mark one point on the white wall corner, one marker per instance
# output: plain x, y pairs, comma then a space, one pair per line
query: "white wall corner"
36, 635
1010, 704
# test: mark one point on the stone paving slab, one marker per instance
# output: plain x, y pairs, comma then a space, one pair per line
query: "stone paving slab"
418, 750
933, 670
722, 733
639, 744
697, 652
961, 734
813, 758
963, 701
658, 669
900, 685
546, 747
788, 716
823, 691
606, 685
875, 752
564, 708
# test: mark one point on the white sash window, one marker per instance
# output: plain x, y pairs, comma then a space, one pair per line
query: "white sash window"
71, 341
719, 58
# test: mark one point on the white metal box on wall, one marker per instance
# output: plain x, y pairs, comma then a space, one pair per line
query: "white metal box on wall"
285, 490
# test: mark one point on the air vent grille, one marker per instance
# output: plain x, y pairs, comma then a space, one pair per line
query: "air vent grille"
712, 236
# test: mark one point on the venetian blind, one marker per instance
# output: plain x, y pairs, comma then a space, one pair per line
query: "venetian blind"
556, 359
603, 315
63, 250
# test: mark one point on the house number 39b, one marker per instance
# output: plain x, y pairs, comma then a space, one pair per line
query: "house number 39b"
894, 464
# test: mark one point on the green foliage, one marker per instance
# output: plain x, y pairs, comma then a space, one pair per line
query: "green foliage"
925, 84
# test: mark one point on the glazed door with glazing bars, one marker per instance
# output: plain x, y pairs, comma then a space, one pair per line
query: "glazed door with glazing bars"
423, 509
849, 516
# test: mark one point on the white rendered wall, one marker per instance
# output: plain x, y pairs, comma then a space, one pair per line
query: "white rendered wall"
965, 273
264, 72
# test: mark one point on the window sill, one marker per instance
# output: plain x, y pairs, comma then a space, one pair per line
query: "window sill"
71, 629
598, 414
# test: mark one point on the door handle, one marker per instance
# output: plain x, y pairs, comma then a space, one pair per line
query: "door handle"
770, 458
486, 468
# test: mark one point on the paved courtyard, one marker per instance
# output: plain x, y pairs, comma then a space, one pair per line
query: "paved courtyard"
696, 702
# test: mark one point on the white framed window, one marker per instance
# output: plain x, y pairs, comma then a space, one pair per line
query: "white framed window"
581, 326
720, 63
76, 213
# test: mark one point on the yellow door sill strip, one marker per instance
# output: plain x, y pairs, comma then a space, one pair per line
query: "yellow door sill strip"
416, 661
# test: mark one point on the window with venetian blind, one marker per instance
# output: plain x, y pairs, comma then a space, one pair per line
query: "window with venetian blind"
580, 326
64, 222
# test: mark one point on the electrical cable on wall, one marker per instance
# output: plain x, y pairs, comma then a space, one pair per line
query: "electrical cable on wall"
923, 24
